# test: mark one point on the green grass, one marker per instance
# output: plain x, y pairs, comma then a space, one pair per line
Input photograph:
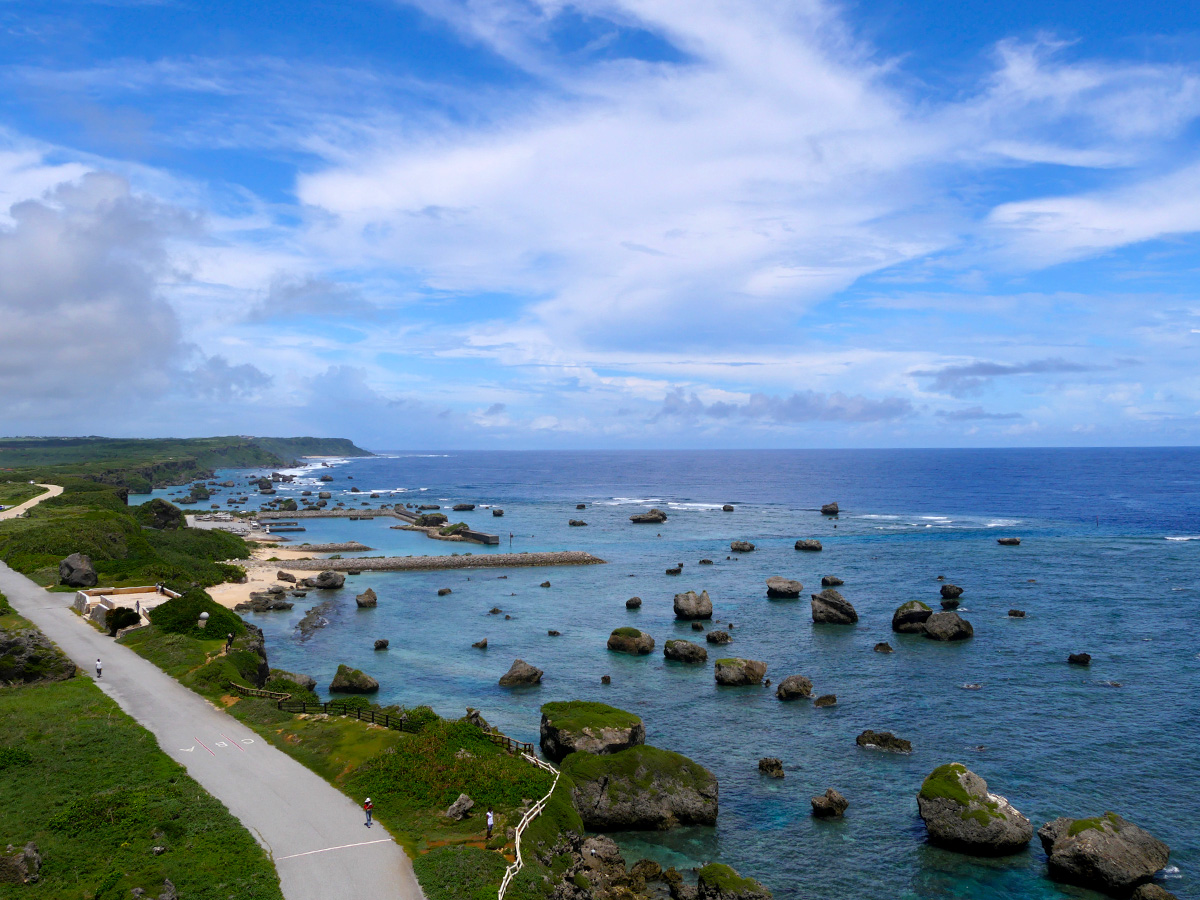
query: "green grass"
627, 632
640, 765
943, 783
14, 493
576, 715
725, 880
459, 873
911, 605
1079, 826
92, 789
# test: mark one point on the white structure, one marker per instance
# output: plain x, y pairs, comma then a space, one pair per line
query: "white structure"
95, 602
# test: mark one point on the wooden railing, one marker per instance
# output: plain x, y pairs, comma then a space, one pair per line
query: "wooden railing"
334, 708
258, 692
510, 744
533, 812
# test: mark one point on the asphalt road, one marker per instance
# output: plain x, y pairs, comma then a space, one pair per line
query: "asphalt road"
314, 833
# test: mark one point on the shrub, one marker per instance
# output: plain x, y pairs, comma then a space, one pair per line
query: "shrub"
121, 617
180, 616
459, 873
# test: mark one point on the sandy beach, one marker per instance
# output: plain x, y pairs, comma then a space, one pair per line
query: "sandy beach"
260, 574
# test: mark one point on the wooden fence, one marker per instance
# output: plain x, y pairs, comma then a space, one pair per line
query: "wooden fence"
258, 692
533, 812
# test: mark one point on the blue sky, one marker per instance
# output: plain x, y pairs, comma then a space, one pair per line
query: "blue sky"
625, 223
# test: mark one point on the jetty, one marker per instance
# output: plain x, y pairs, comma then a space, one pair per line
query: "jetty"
427, 563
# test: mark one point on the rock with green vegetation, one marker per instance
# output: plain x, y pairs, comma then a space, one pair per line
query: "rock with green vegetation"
794, 687
429, 520
77, 571
305, 682
1106, 853
883, 740
630, 640
579, 725
27, 656
199, 491
738, 672
948, 626
831, 608
288, 505
352, 681
691, 605
910, 617
160, 514
716, 881
961, 815
21, 867
456, 528
831, 581
521, 673
685, 652
780, 588
642, 788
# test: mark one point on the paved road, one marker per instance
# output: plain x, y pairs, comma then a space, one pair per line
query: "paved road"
13, 511
315, 833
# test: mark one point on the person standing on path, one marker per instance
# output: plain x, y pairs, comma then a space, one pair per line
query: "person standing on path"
368, 807
491, 820
97, 667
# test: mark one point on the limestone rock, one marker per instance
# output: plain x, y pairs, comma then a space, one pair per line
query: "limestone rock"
830, 607
27, 656
718, 637
442, 592
367, 599
883, 740
883, 647
831, 581
463, 507
352, 681
771, 766
685, 652
910, 617
327, 580
630, 640
728, 507
948, 626
737, 672
460, 808
719, 882
577, 523
693, 606
285, 576
641, 788
633, 603
381, 643
480, 645
780, 588
653, 517
307, 682
1080, 659
830, 805
951, 591
1107, 853
498, 513
77, 571
1009, 541
809, 546
950, 603
830, 509
825, 700
588, 727
521, 673
741, 547
794, 687
1016, 613
961, 815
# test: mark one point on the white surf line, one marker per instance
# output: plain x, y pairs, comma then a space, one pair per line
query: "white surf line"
327, 849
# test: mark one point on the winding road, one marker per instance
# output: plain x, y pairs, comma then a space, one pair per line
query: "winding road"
52, 490
314, 833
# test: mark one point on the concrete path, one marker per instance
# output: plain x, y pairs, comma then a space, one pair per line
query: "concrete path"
314, 833
13, 511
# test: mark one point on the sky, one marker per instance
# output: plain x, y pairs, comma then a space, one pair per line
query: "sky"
491, 224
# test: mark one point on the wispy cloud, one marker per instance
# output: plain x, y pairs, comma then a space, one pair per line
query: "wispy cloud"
972, 377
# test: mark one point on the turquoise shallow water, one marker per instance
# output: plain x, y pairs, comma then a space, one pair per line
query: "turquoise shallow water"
1096, 572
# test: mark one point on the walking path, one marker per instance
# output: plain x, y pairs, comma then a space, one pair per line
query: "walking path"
13, 511
314, 833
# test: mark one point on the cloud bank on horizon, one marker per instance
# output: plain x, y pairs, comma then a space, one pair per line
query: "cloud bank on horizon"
541, 223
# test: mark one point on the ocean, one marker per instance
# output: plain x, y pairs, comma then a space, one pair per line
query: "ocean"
1109, 564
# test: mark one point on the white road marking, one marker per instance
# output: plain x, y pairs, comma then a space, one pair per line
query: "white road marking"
186, 749
327, 849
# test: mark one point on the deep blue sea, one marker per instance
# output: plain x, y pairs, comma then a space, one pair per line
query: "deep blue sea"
1109, 564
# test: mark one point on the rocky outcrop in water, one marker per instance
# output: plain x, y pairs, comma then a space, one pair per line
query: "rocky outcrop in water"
326, 581
830, 509
1080, 659
352, 681
1106, 853
367, 599
691, 605
653, 517
809, 546
577, 523
720, 882
579, 726
831, 581
642, 788
794, 687
521, 673
1009, 541
381, 643
771, 766
728, 507
463, 507
741, 547
77, 571
951, 591
716, 637
830, 805
633, 603
883, 647
883, 740
910, 617
825, 700
630, 640
685, 652
961, 815
831, 608
948, 626
780, 588
739, 672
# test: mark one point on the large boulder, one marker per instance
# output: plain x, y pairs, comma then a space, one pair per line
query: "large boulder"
642, 788
460, 808
693, 606
160, 514
831, 581
809, 546
654, 517
910, 617
1107, 853
22, 867
830, 509
685, 652
948, 626
367, 599
77, 571
716, 637
327, 580
588, 727
463, 507
737, 672
741, 547
27, 656
307, 682
831, 608
794, 687
716, 881
883, 740
829, 805
630, 640
521, 673
771, 766
961, 815
951, 591
780, 588
1009, 542
352, 681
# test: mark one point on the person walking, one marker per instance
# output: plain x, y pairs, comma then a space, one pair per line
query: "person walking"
491, 820
368, 807
97, 667
228, 641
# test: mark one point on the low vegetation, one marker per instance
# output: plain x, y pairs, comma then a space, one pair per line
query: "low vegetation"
14, 493
577, 715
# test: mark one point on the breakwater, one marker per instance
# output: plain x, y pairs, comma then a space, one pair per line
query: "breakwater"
427, 563
365, 512
343, 547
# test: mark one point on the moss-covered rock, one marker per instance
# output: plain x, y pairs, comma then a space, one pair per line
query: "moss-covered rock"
961, 815
1106, 853
28, 656
716, 881
909, 618
630, 640
739, 671
352, 681
579, 725
641, 788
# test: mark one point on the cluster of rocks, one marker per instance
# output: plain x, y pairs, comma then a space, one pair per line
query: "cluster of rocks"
915, 617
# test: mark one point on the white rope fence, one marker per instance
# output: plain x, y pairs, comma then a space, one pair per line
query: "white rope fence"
533, 813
